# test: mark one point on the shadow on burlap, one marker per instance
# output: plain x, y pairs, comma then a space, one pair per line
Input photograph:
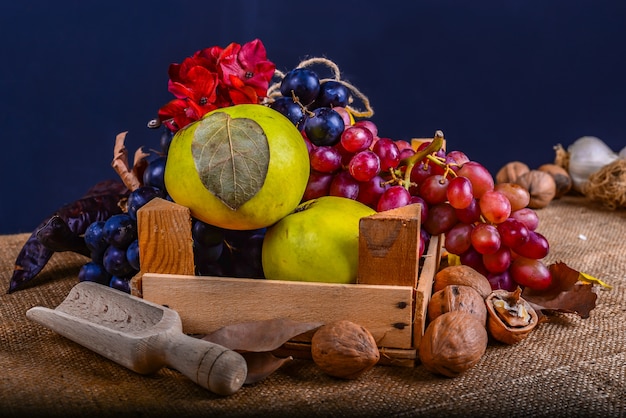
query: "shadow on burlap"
568, 367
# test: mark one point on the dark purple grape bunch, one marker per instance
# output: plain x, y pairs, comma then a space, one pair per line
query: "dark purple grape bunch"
309, 104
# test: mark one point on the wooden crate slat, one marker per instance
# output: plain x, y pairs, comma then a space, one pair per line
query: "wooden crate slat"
208, 303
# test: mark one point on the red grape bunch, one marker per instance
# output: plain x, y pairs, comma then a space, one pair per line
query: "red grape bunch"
488, 226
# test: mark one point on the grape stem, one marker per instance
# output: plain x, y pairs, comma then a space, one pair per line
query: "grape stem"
435, 145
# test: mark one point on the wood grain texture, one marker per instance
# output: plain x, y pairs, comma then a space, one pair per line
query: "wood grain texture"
165, 242
389, 247
208, 303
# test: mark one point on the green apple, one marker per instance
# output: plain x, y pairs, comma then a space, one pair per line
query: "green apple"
317, 242
240, 167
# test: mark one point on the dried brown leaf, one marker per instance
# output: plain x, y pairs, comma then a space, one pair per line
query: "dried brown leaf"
261, 365
259, 336
120, 163
140, 163
566, 293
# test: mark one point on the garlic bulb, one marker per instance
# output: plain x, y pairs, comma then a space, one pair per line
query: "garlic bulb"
622, 153
587, 155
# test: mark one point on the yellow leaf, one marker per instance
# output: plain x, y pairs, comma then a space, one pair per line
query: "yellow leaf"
587, 278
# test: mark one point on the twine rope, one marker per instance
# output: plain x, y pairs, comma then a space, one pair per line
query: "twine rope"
273, 92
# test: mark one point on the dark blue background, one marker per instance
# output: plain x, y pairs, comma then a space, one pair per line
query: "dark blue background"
504, 80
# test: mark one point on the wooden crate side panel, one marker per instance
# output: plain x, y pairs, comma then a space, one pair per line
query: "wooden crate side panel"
207, 303
389, 247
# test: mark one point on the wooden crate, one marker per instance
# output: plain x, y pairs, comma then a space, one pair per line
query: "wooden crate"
389, 299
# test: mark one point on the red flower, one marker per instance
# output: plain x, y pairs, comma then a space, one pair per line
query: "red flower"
213, 78
248, 64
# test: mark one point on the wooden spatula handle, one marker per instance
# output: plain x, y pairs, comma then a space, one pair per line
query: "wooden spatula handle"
212, 366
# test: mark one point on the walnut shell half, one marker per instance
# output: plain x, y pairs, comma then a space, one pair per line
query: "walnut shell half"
510, 317
453, 343
344, 349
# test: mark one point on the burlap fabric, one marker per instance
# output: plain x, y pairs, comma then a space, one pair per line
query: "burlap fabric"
569, 367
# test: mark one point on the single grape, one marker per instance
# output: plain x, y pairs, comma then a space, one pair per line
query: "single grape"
356, 138
458, 238
423, 208
513, 233
434, 189
120, 283
324, 127
494, 206
325, 159
441, 218
480, 177
405, 153
518, 196
485, 238
364, 165
344, 185
166, 140
370, 191
301, 82
456, 159
531, 273
421, 171
424, 241
154, 174
388, 152
459, 192
95, 240
502, 281
368, 124
290, 109
116, 263
470, 214
348, 120
332, 94
499, 261
536, 247
139, 197
132, 255
120, 230
528, 217
394, 197
474, 259
205, 234
94, 272
318, 185
402, 145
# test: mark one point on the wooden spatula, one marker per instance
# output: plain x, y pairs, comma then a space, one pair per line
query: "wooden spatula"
141, 336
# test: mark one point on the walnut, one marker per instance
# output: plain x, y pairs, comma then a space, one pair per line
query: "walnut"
344, 349
462, 275
457, 298
561, 177
510, 317
540, 185
511, 171
453, 343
